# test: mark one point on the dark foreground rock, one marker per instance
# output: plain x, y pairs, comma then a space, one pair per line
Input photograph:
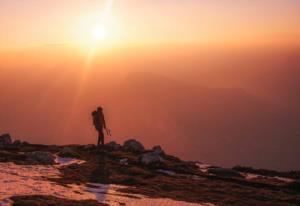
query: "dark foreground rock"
68, 152
151, 158
40, 158
40, 200
223, 172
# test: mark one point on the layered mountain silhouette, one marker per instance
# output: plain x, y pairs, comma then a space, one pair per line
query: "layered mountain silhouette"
194, 120
214, 124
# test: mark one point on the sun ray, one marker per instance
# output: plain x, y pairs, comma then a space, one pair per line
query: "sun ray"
85, 71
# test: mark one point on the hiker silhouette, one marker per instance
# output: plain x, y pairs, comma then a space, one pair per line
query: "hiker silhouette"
100, 124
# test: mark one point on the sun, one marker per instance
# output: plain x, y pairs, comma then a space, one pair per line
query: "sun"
98, 33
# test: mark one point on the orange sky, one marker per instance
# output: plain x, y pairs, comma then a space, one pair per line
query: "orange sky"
35, 23
155, 79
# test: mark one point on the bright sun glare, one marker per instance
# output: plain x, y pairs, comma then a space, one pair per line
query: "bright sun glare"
99, 33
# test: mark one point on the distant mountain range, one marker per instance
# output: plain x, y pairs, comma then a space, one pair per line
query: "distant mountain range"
223, 126
226, 109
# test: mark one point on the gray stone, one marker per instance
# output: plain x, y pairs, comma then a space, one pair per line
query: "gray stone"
158, 150
89, 146
53, 148
25, 143
5, 140
40, 157
113, 145
151, 158
133, 146
123, 161
68, 152
223, 172
17, 143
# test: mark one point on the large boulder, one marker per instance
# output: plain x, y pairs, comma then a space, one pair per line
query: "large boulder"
151, 158
68, 152
5, 140
223, 172
40, 158
133, 146
158, 150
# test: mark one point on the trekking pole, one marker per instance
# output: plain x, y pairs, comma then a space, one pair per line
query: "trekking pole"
108, 132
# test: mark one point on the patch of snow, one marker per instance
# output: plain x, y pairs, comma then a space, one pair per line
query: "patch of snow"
32, 180
171, 173
123, 161
167, 172
284, 179
203, 167
250, 176
63, 161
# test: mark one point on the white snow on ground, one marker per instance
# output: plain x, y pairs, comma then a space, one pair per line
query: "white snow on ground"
203, 167
250, 176
171, 173
288, 180
31, 180
67, 161
167, 172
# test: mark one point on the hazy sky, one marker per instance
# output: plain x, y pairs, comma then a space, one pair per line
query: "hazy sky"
38, 22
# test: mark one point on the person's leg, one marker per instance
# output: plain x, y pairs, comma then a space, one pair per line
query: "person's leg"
102, 138
99, 138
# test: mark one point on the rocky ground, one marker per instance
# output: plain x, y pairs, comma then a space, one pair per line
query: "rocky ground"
38, 200
152, 173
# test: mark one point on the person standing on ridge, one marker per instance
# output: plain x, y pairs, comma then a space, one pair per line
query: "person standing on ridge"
99, 123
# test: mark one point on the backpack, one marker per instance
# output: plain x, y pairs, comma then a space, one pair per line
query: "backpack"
94, 115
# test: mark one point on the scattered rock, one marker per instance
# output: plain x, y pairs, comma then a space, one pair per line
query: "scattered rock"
17, 143
39, 157
113, 145
223, 172
53, 148
40, 200
158, 150
269, 173
100, 174
133, 146
183, 168
5, 140
89, 146
25, 143
123, 161
74, 166
6, 156
151, 158
294, 186
68, 152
